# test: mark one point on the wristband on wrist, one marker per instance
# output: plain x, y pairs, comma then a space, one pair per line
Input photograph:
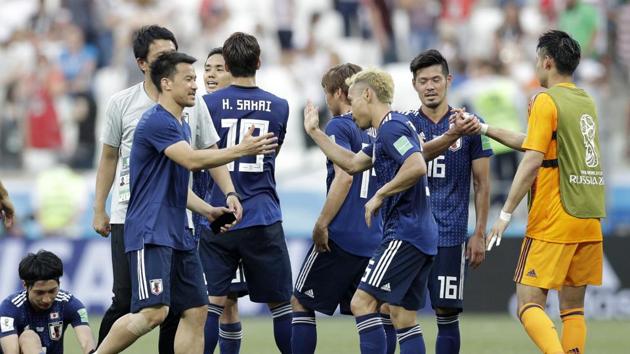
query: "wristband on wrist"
238, 196
505, 216
484, 128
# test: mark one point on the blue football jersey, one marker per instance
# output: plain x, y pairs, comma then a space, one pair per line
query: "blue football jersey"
234, 110
348, 229
159, 186
449, 177
407, 215
17, 314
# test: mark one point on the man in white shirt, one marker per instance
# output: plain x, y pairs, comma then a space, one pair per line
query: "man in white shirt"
123, 112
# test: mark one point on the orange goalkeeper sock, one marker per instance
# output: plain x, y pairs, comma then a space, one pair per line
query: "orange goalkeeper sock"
573, 330
540, 328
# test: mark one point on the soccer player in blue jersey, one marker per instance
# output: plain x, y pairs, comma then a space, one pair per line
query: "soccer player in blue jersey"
230, 333
342, 242
34, 320
399, 269
259, 238
165, 267
449, 177
124, 110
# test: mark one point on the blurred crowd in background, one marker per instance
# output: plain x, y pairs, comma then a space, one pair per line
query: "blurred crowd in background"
61, 60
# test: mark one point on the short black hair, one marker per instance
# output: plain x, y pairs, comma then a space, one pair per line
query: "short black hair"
143, 38
426, 59
564, 50
335, 77
242, 54
214, 51
166, 65
43, 265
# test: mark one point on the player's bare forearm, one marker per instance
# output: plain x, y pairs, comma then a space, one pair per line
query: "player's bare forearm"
10, 344
337, 193
481, 188
196, 204
221, 176
105, 176
524, 178
409, 173
506, 137
434, 148
85, 338
350, 162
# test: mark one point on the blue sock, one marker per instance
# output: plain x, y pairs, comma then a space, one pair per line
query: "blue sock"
211, 330
411, 340
304, 333
230, 335
448, 339
282, 327
390, 333
371, 334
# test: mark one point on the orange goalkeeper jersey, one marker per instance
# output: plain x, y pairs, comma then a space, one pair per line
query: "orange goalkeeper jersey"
548, 221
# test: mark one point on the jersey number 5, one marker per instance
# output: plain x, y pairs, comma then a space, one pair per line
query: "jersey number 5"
231, 124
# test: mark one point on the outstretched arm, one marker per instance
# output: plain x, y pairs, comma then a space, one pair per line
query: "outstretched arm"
195, 160
347, 160
506, 137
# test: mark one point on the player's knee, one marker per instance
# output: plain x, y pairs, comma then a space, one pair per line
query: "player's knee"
144, 321
29, 339
385, 309
363, 303
402, 318
196, 315
230, 313
296, 305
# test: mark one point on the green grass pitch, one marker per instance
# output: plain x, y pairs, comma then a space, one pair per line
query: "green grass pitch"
481, 334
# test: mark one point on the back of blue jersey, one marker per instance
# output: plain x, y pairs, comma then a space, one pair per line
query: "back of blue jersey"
406, 215
449, 177
234, 110
348, 229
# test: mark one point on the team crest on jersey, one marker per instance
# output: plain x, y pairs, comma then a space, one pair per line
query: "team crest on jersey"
456, 145
54, 315
156, 286
55, 330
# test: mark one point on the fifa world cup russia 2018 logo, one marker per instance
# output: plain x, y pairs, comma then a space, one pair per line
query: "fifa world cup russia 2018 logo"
587, 126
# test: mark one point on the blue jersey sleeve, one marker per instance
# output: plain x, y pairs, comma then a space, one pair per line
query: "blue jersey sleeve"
340, 133
284, 122
162, 132
75, 313
9, 319
480, 146
399, 141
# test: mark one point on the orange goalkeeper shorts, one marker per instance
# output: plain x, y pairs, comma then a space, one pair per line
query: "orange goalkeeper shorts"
549, 265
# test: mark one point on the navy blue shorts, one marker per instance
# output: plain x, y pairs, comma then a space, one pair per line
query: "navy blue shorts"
398, 274
263, 253
446, 281
329, 279
161, 275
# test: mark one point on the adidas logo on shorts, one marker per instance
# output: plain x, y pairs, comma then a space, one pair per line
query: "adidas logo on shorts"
386, 287
532, 273
310, 293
